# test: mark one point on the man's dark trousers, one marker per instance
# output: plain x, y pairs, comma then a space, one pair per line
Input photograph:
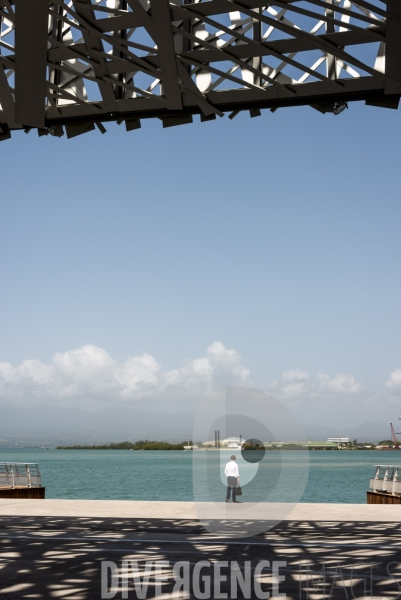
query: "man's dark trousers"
231, 485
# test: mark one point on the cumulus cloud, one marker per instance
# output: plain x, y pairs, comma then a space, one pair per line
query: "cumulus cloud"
394, 383
90, 376
296, 384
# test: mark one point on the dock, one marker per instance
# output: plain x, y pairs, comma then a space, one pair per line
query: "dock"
21, 480
385, 487
56, 548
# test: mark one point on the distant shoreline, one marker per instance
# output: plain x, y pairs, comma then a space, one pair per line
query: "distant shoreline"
180, 447
141, 445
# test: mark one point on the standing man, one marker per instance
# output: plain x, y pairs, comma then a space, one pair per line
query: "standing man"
232, 474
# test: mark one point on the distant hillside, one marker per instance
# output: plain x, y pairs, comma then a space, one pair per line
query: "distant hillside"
51, 423
72, 425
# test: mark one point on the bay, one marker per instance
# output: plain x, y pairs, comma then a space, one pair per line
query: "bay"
334, 476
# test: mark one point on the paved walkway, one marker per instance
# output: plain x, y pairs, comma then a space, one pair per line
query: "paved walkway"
186, 510
55, 549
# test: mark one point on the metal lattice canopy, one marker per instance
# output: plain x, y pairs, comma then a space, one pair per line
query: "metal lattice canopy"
79, 63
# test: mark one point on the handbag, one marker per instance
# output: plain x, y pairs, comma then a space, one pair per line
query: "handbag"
238, 491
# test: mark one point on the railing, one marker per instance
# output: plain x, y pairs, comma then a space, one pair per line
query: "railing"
13, 475
387, 479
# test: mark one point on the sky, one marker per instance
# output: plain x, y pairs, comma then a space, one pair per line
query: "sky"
149, 267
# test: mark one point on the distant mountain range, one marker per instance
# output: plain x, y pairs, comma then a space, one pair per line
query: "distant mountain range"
52, 424
72, 425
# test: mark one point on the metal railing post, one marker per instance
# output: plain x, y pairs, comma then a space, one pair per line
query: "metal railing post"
395, 477
25, 475
377, 476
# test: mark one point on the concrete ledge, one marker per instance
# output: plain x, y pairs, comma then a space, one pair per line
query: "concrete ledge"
186, 510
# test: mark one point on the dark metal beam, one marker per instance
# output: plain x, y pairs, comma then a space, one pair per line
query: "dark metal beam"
393, 47
283, 46
6, 101
170, 59
31, 22
167, 57
93, 43
362, 88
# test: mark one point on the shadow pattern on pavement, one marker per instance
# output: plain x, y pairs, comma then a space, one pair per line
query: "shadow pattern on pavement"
48, 557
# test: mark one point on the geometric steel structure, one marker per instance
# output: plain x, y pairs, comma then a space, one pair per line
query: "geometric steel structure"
75, 64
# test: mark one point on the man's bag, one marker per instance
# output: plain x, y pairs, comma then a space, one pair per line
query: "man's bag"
238, 491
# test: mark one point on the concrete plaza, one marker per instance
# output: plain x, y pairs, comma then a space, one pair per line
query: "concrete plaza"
55, 548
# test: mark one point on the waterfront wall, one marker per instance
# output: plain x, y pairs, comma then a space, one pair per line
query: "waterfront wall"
34, 493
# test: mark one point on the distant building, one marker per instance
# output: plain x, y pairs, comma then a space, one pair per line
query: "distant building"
314, 445
339, 440
234, 443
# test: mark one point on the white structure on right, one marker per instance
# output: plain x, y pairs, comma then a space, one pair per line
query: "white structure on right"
387, 479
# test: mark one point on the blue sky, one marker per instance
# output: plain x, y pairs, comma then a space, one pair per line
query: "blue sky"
277, 236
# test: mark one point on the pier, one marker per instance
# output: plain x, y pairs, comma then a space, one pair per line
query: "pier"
385, 487
21, 480
55, 548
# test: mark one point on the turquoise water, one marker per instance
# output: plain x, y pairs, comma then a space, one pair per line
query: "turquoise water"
153, 475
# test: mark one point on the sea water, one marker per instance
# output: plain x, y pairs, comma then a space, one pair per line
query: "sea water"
334, 476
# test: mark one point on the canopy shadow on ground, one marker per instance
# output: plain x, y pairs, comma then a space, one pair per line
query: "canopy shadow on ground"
60, 557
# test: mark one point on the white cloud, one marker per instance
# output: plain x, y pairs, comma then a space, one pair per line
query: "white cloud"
394, 383
296, 384
343, 383
89, 376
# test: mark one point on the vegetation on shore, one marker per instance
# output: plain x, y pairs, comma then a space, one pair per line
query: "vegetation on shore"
140, 445
287, 447
154, 445
249, 446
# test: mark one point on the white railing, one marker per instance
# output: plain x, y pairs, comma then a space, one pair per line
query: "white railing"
387, 479
14, 475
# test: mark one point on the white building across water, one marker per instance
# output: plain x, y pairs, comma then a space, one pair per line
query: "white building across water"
234, 443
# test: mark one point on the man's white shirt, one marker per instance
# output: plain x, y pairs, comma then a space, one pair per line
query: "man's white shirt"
231, 469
